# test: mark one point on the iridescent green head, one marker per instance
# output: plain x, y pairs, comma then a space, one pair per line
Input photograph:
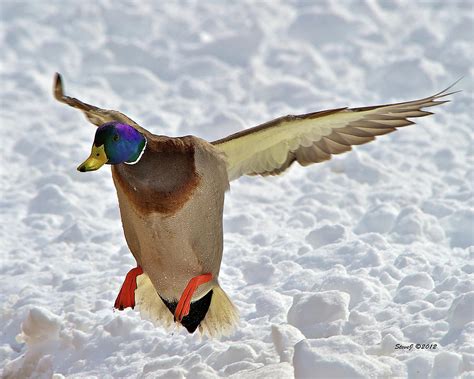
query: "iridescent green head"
114, 143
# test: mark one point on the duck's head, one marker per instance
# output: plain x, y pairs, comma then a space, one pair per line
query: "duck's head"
114, 143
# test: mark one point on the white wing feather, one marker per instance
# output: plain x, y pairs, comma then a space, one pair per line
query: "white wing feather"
270, 148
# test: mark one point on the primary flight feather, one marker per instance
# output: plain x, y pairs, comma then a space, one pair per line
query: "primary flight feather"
171, 195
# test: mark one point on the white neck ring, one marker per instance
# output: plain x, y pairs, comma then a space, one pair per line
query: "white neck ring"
141, 154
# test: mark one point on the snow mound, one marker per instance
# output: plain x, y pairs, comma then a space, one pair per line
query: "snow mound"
381, 219
421, 280
325, 235
335, 357
319, 314
285, 337
446, 365
41, 333
461, 311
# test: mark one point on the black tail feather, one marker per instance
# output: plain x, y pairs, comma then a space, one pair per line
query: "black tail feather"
196, 314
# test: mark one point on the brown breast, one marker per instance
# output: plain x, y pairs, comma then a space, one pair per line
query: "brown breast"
163, 180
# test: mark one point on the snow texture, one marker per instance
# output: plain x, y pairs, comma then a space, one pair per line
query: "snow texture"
330, 266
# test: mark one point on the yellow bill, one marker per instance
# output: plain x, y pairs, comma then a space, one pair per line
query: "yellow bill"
95, 161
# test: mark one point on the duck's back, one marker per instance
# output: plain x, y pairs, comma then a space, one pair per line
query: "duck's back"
171, 204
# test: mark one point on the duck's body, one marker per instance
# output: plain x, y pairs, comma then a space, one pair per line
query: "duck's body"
171, 195
171, 204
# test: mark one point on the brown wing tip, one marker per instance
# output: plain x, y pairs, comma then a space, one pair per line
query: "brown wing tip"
446, 92
58, 87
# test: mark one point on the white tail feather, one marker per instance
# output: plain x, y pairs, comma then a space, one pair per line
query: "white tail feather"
149, 304
221, 318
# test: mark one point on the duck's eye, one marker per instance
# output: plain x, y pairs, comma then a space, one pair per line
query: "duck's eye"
116, 137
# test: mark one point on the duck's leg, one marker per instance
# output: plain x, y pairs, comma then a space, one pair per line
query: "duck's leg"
126, 296
184, 303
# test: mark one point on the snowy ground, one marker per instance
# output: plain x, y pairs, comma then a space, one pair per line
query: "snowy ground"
330, 266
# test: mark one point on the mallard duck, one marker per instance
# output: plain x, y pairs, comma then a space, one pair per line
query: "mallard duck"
171, 195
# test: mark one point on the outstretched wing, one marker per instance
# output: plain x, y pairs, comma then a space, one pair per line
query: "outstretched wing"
270, 148
95, 115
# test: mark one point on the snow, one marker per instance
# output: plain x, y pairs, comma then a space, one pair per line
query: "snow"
335, 357
319, 314
330, 266
446, 365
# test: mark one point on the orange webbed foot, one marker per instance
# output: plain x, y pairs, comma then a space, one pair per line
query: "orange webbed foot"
126, 296
184, 303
